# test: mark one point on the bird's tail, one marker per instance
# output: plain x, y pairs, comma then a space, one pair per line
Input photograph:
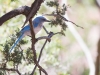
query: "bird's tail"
16, 42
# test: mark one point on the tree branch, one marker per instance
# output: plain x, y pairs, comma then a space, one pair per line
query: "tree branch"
21, 10
29, 12
49, 36
34, 8
11, 69
33, 48
44, 37
60, 16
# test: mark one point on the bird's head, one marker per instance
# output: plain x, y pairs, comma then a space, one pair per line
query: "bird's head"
41, 19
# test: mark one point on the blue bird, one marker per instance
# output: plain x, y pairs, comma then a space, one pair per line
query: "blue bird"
38, 25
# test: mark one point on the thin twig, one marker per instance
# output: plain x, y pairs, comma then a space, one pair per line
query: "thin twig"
49, 36
39, 57
11, 69
58, 15
20, 47
44, 37
57, 33
40, 53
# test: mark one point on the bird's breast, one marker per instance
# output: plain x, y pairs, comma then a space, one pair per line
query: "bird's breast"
36, 30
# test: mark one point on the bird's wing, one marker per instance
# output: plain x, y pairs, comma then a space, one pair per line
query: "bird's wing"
35, 24
16, 42
26, 28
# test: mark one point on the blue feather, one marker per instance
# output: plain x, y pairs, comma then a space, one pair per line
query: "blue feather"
16, 42
26, 28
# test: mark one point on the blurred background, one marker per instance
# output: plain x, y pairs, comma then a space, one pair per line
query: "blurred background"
63, 55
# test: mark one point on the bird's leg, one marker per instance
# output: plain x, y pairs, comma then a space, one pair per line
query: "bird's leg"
45, 30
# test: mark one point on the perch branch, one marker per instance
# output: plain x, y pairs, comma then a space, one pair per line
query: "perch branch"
40, 52
44, 37
49, 36
33, 48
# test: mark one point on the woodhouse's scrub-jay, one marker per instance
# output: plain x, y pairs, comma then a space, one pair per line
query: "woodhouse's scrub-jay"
38, 25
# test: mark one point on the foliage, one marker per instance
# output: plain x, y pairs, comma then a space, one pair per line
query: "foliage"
59, 11
19, 56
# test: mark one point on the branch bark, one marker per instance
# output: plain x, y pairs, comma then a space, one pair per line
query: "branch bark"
29, 12
34, 8
11, 69
49, 36
44, 37
21, 10
33, 47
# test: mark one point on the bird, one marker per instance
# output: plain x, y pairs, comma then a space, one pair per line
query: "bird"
25, 31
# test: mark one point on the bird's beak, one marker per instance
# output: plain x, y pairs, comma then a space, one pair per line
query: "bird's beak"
47, 21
